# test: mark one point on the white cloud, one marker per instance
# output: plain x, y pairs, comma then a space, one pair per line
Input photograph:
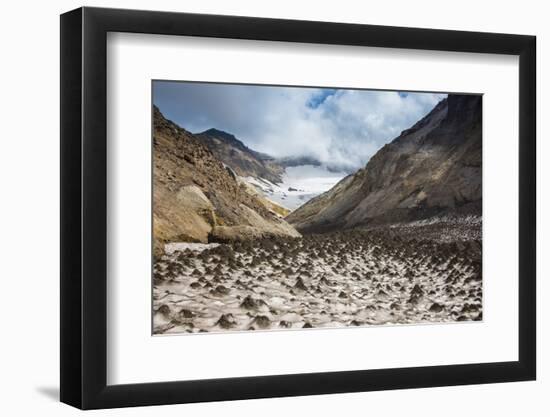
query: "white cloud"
344, 128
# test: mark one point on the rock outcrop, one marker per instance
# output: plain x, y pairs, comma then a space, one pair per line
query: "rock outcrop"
196, 198
433, 168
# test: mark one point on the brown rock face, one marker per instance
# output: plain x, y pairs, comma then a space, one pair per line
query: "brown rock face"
194, 194
433, 168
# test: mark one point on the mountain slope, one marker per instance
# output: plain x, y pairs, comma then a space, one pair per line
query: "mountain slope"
432, 168
241, 159
196, 199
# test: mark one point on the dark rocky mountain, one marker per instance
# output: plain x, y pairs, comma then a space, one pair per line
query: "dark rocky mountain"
197, 199
291, 161
433, 168
294, 161
241, 159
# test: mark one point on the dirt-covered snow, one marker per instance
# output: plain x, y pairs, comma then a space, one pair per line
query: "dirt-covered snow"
407, 274
300, 184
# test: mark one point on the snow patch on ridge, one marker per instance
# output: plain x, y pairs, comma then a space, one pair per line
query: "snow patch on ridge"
300, 184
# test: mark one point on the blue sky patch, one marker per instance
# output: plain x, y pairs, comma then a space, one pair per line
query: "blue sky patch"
317, 99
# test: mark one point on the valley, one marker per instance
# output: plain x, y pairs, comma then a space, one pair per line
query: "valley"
246, 241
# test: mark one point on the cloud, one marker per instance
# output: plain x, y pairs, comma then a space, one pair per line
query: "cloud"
341, 128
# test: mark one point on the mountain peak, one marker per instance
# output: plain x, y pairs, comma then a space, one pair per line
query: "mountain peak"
228, 138
218, 132
239, 157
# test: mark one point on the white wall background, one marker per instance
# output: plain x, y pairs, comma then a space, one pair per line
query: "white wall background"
29, 211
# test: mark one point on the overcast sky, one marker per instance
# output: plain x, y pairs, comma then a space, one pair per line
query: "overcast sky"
338, 127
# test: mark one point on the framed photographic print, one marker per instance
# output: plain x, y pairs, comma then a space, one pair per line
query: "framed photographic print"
258, 208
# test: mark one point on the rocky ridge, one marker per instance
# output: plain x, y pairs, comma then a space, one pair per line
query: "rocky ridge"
431, 169
198, 199
241, 159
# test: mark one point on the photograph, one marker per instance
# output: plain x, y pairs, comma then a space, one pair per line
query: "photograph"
282, 207
268, 206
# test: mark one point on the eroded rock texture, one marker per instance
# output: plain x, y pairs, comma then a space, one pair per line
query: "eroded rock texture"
431, 169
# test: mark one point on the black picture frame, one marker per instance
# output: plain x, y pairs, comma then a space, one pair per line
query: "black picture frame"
84, 207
